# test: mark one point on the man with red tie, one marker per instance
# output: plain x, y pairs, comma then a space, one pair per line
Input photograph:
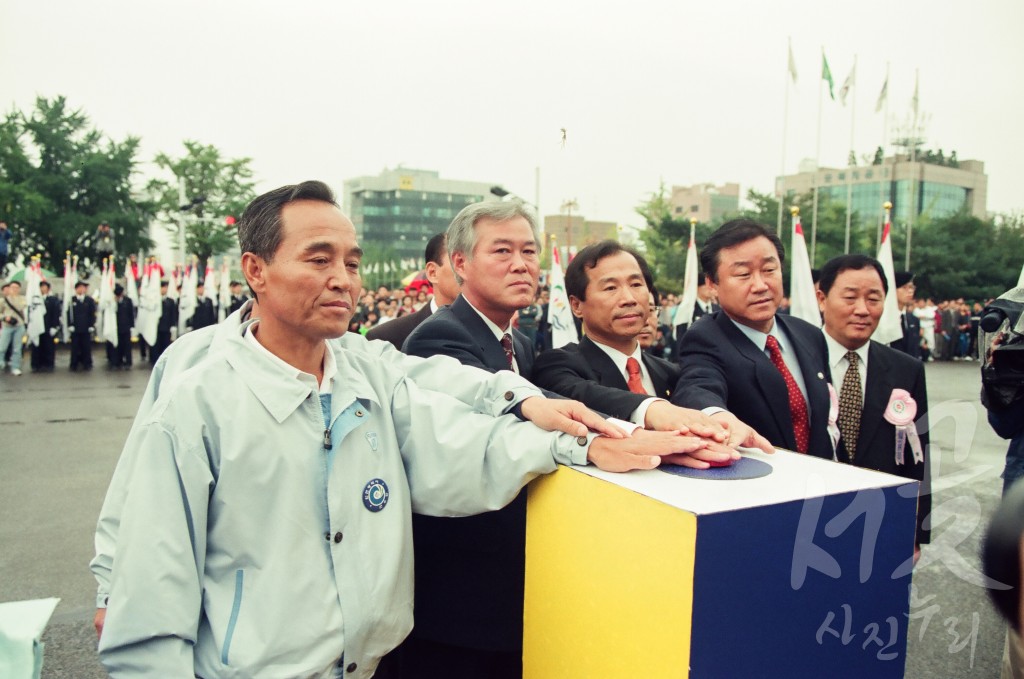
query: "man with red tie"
609, 290
768, 370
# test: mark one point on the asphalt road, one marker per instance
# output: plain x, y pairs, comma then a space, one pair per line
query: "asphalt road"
61, 434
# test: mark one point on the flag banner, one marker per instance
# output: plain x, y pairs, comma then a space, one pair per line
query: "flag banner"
684, 312
108, 305
889, 327
916, 100
224, 296
850, 81
792, 64
883, 95
34, 307
803, 302
150, 302
210, 284
69, 291
131, 289
187, 297
563, 328
826, 75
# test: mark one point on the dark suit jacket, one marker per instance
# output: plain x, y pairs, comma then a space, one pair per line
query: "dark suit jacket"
698, 313
398, 330
722, 367
910, 343
889, 369
470, 571
586, 373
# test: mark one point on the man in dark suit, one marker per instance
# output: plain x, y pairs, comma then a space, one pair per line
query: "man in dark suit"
910, 343
852, 298
205, 313
121, 357
439, 272
81, 324
608, 288
238, 298
747, 363
168, 320
703, 306
44, 353
470, 571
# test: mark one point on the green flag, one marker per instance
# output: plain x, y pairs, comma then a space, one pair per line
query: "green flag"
826, 75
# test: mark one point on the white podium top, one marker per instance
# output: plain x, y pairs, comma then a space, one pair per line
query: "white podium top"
794, 477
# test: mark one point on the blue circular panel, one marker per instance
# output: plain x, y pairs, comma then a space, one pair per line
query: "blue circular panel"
743, 468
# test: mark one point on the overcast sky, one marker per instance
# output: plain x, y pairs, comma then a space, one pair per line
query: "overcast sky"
671, 91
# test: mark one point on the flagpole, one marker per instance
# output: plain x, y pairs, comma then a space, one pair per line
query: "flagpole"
913, 186
790, 73
853, 158
885, 134
817, 163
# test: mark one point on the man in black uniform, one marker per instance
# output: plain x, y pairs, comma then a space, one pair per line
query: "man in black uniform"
204, 314
238, 298
82, 323
125, 320
168, 320
43, 353
911, 324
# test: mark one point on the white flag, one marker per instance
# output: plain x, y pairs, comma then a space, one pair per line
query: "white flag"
883, 95
108, 305
69, 291
889, 327
151, 304
34, 307
803, 302
225, 290
684, 312
850, 81
563, 328
792, 64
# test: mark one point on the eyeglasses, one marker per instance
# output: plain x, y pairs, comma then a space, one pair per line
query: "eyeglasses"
656, 309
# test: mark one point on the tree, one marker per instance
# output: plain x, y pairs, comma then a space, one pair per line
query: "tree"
963, 256
59, 178
665, 239
215, 188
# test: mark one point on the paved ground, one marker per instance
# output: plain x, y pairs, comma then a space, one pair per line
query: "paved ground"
61, 433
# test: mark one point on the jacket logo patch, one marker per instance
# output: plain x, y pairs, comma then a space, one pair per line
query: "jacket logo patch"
375, 495
371, 437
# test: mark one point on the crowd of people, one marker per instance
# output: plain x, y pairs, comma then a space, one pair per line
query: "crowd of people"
214, 556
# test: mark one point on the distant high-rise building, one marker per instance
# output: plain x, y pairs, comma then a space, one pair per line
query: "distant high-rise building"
396, 212
930, 189
577, 231
706, 203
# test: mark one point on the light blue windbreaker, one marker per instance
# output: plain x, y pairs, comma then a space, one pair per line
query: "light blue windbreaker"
248, 549
493, 393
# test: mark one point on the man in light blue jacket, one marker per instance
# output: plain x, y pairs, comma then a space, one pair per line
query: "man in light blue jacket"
266, 525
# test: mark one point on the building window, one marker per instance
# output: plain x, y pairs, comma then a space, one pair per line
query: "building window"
869, 174
842, 176
694, 208
828, 179
678, 209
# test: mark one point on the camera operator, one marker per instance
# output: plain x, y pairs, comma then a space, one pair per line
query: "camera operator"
12, 318
1002, 378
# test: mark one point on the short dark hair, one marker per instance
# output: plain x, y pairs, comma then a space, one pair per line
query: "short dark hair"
576, 278
734, 233
46, 283
435, 250
838, 265
259, 229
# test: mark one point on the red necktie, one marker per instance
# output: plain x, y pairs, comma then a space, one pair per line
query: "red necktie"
506, 344
797, 404
633, 378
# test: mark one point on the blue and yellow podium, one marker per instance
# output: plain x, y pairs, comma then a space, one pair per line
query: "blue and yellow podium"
802, 573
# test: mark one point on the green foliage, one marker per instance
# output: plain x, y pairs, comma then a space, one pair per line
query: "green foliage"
665, 239
224, 184
59, 178
963, 256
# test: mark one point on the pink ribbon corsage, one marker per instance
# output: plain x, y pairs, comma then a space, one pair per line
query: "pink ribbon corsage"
900, 412
833, 418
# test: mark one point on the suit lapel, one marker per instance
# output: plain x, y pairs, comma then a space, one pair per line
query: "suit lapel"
767, 378
603, 366
491, 352
877, 388
659, 377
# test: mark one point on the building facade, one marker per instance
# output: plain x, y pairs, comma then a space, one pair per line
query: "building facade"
396, 212
706, 203
576, 231
915, 189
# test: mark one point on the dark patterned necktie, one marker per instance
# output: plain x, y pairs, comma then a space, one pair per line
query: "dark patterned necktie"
506, 344
850, 403
797, 404
634, 380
